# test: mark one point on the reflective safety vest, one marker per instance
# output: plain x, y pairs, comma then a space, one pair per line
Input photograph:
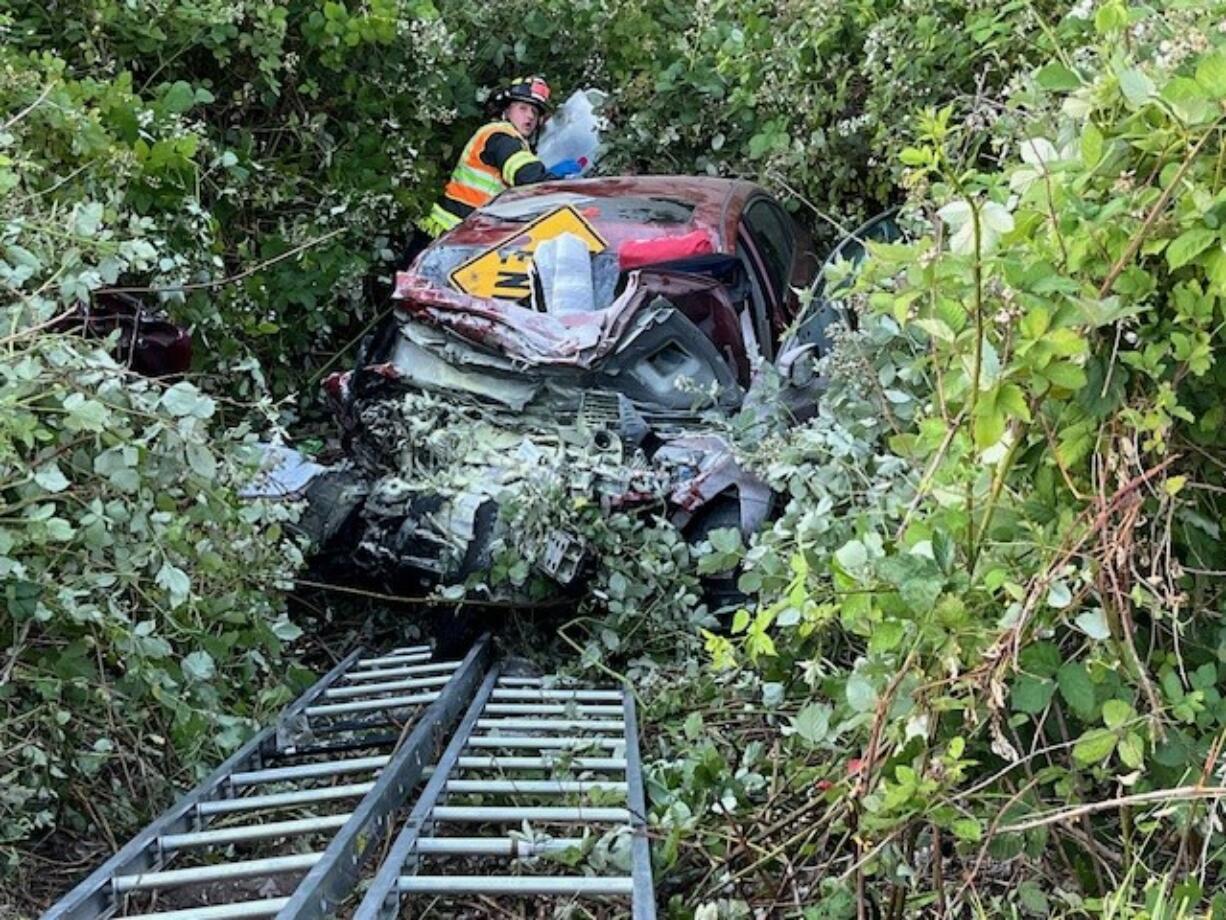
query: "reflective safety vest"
474, 182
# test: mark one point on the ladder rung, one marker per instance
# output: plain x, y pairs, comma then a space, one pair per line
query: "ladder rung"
612, 696
384, 673
269, 907
555, 742
243, 832
383, 661
283, 799
533, 786
494, 846
470, 814
537, 725
516, 885
544, 709
541, 763
387, 702
247, 868
409, 650
341, 693
309, 770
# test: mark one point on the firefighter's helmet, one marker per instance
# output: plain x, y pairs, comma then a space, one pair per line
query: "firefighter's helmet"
532, 90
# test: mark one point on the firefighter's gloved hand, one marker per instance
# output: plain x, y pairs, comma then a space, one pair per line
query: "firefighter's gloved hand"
566, 168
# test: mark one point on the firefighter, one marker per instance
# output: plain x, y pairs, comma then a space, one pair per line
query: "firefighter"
497, 157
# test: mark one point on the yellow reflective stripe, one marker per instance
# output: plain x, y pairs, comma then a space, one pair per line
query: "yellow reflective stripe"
466, 175
515, 162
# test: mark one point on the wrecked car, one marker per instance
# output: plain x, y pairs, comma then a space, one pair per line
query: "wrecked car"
579, 336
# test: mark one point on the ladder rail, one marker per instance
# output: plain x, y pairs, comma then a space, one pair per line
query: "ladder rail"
643, 901
92, 898
399, 876
331, 880
382, 899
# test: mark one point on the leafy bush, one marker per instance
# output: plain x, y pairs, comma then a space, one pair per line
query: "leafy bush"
990, 623
141, 598
140, 602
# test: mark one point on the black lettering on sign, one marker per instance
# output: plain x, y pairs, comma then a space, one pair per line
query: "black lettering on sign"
514, 280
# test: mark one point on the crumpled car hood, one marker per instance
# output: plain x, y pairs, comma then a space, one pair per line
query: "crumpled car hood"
542, 339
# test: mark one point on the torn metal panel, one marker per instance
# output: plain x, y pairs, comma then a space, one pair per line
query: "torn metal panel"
716, 472
574, 339
428, 360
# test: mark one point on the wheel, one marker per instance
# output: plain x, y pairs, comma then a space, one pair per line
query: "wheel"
719, 591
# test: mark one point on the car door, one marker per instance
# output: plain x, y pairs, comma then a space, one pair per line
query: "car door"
822, 310
782, 259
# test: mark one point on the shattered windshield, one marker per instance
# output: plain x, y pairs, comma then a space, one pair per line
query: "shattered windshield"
624, 209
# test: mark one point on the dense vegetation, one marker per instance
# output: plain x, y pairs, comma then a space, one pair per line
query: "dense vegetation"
981, 667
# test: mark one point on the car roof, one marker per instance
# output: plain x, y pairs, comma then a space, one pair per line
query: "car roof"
717, 203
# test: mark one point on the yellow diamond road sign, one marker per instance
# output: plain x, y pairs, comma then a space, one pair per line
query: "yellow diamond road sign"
504, 270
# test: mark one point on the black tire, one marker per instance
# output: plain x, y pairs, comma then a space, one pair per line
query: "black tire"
719, 591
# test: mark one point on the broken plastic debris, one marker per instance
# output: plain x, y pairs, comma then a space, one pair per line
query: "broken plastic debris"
564, 272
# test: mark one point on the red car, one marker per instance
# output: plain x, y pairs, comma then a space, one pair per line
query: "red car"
603, 318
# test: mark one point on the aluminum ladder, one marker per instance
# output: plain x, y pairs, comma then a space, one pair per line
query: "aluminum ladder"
368, 728
304, 803
522, 741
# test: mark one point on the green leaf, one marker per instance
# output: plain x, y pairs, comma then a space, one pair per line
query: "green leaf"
989, 423
286, 630
1116, 713
968, 829
1094, 624
85, 414
87, 219
852, 556
1065, 375
725, 540
1094, 746
1211, 74
1057, 78
886, 636
1033, 899
1136, 86
1132, 751
179, 97
1042, 659
1188, 245
21, 598
861, 694
1031, 694
51, 478
183, 399
198, 667
740, 621
1091, 145
175, 581
1110, 17
1076, 688
1187, 100
812, 723
1012, 400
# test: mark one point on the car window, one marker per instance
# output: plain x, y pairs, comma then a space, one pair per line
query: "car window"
771, 231
881, 229
759, 293
822, 312
640, 209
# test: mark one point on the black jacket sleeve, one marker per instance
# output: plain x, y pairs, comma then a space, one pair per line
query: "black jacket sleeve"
501, 147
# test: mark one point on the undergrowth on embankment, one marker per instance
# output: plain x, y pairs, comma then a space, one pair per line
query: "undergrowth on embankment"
979, 667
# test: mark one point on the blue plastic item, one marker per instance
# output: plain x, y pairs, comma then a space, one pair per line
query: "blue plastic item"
566, 168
